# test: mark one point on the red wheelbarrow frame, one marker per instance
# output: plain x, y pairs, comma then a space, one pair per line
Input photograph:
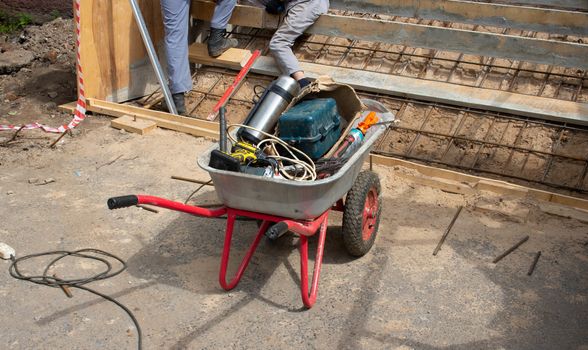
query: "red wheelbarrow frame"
303, 228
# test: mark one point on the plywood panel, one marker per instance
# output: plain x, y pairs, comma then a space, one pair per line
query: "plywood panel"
114, 60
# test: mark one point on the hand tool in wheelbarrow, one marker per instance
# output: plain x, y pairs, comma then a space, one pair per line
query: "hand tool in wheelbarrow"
242, 155
245, 156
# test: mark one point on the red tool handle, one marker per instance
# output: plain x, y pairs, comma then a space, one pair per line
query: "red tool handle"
233, 87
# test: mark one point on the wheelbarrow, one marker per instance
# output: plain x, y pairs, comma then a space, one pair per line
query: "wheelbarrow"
301, 207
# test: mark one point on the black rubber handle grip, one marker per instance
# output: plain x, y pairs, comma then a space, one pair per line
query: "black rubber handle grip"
277, 230
122, 202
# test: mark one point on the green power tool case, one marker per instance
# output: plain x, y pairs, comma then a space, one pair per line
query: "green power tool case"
312, 126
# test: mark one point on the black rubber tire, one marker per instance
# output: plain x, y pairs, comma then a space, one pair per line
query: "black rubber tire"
353, 220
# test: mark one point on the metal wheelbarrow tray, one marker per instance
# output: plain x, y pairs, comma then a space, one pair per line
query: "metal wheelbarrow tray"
300, 207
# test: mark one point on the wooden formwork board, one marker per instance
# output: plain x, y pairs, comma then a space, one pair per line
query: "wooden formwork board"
493, 100
550, 52
482, 183
113, 57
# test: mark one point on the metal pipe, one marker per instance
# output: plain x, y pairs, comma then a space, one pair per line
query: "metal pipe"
223, 130
153, 57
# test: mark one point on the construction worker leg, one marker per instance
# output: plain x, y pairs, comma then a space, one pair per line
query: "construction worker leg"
176, 17
222, 13
298, 18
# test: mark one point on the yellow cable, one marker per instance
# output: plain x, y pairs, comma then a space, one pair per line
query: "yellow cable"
306, 164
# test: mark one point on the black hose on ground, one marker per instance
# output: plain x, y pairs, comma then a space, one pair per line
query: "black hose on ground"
56, 282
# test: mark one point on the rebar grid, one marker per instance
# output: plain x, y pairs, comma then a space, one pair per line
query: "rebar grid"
572, 168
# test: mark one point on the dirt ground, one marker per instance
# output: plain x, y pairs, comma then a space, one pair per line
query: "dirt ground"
398, 296
40, 11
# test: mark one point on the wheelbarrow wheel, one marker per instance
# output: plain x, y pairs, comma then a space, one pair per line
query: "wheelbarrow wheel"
361, 216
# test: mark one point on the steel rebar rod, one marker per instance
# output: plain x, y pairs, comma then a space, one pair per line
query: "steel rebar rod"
535, 260
447, 231
510, 250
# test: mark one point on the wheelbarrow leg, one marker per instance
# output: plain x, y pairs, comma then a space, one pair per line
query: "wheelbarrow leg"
227, 250
309, 298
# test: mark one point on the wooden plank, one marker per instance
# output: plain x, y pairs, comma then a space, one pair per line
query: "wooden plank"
187, 125
445, 185
113, 57
550, 52
502, 188
488, 14
133, 124
243, 15
495, 186
68, 107
493, 100
232, 58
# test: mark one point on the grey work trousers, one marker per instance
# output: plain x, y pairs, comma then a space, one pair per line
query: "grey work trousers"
176, 23
300, 15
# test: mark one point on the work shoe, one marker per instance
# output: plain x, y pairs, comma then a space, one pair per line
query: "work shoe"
179, 101
217, 43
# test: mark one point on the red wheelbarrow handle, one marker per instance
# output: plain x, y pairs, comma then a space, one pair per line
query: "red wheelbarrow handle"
131, 200
122, 202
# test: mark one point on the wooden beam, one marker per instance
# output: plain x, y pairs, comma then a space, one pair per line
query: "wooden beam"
494, 100
539, 51
192, 126
488, 14
232, 58
482, 183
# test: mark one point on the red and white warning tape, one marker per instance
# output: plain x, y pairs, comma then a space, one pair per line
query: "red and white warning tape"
80, 111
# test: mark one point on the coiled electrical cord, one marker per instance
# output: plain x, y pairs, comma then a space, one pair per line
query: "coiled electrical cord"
307, 165
55, 282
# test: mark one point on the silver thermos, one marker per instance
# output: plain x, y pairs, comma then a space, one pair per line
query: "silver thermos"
264, 116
